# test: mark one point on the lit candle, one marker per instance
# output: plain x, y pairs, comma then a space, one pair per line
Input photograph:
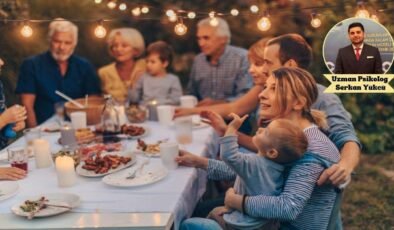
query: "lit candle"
67, 136
65, 171
152, 107
42, 153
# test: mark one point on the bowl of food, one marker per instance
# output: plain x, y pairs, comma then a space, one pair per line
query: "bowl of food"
136, 113
93, 109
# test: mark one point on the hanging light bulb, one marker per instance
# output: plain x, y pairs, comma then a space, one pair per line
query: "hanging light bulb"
97, 1
234, 12
100, 30
254, 9
26, 30
264, 23
315, 21
180, 29
170, 13
211, 14
375, 17
145, 9
173, 18
361, 12
111, 5
136, 11
122, 6
191, 15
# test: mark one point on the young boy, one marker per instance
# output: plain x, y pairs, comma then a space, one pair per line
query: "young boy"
280, 143
156, 83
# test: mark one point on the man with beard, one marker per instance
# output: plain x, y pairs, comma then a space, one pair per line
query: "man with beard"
57, 69
359, 57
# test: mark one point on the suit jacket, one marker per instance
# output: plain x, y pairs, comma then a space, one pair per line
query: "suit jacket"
370, 61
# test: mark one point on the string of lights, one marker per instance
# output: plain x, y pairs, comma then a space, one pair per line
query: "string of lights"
178, 16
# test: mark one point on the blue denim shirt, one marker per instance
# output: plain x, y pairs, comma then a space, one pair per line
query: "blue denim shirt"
40, 75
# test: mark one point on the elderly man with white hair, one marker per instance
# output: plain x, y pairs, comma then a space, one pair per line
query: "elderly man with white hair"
57, 69
220, 73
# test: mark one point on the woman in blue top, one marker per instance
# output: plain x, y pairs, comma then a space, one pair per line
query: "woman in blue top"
288, 93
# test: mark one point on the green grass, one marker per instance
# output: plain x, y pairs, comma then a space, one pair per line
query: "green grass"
369, 200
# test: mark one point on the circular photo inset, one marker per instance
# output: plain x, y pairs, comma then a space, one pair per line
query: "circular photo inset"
358, 46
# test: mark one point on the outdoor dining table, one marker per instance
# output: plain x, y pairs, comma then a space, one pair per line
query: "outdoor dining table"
156, 206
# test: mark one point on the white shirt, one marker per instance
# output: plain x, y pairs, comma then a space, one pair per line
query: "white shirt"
361, 48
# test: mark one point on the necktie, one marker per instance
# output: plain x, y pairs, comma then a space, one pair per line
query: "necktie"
358, 53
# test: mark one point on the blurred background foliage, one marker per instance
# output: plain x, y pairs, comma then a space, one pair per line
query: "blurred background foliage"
372, 114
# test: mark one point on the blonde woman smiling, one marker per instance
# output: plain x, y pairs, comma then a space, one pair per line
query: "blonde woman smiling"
125, 45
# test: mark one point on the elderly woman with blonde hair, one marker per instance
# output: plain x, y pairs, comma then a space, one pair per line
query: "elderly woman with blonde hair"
125, 45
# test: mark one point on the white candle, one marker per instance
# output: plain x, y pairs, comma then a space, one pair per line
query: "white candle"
65, 171
42, 153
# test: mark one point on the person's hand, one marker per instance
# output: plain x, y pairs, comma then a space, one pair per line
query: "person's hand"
11, 173
19, 126
209, 101
190, 160
237, 121
233, 200
216, 121
179, 112
14, 114
337, 174
217, 215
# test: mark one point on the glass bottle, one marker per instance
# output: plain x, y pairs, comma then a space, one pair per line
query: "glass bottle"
110, 120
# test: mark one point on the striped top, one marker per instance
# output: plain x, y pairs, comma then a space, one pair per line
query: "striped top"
302, 204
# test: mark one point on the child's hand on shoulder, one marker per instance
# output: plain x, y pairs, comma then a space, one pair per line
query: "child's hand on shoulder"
236, 122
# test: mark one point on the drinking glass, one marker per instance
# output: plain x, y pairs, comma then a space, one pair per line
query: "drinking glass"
59, 112
18, 157
31, 135
183, 130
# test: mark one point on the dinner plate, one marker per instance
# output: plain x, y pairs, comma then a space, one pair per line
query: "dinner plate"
62, 199
146, 133
149, 175
87, 173
8, 189
50, 127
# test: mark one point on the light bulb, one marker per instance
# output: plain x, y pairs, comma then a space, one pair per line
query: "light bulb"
97, 1
362, 13
100, 31
191, 15
180, 29
211, 14
264, 24
254, 9
26, 31
315, 22
145, 9
122, 6
214, 21
111, 5
234, 12
170, 13
375, 17
136, 11
173, 18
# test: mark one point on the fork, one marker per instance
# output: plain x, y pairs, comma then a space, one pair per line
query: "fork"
139, 169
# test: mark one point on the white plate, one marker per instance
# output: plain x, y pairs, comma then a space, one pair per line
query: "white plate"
148, 154
8, 189
146, 133
83, 172
66, 199
50, 127
149, 175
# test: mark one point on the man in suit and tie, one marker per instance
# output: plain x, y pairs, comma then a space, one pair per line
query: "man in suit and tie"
359, 57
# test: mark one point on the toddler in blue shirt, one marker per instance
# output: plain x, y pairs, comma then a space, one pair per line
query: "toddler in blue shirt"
280, 143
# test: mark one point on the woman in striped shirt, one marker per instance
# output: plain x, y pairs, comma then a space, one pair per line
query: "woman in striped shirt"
289, 93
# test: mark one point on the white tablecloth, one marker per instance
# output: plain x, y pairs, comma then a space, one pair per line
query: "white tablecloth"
178, 193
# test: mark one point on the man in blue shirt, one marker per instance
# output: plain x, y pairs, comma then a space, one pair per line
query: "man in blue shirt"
57, 69
220, 72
